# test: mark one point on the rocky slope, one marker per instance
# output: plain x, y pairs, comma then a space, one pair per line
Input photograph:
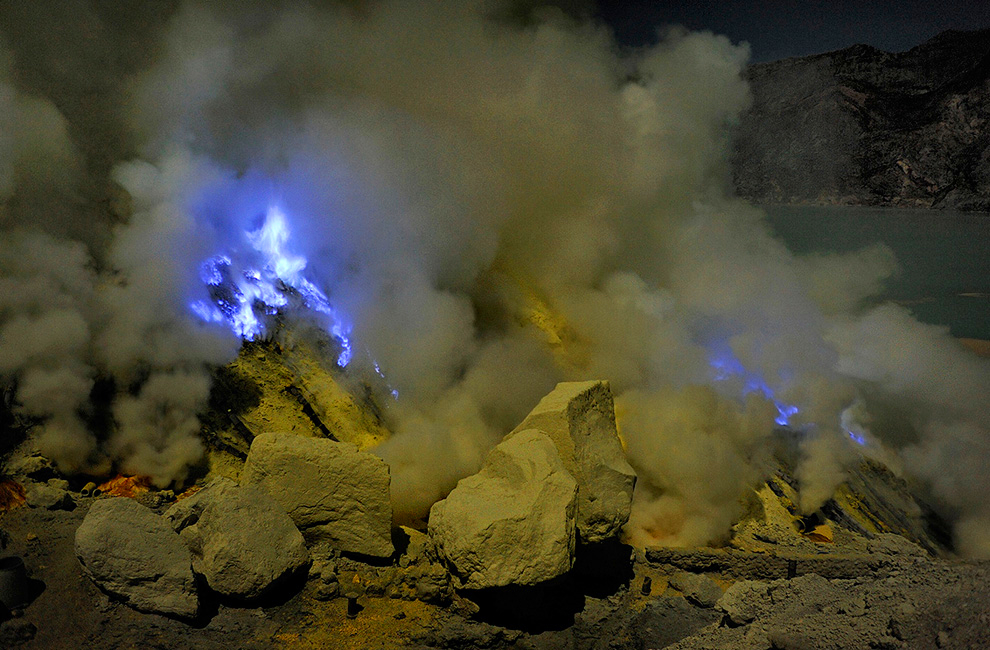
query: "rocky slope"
865, 127
497, 568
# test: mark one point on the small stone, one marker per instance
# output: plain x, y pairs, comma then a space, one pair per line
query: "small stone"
49, 497
744, 601
855, 607
906, 610
464, 608
697, 589
31, 537
326, 591
416, 546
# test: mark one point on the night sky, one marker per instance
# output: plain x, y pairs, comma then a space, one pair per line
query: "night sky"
778, 30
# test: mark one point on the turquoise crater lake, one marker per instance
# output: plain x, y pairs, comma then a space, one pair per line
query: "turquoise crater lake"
944, 256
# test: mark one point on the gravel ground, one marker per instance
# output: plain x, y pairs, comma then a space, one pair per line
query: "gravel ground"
897, 601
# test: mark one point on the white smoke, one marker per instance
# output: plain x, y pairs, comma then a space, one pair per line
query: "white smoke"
46, 284
454, 174
63, 325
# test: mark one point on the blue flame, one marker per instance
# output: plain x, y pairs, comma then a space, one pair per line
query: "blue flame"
239, 295
727, 365
852, 427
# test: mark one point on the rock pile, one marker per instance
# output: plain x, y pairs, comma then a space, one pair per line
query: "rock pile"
243, 540
43, 486
558, 480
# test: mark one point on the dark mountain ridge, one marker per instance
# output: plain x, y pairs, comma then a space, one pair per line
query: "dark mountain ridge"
861, 126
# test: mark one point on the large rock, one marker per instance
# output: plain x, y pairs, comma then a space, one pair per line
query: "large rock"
131, 552
580, 419
513, 522
333, 492
242, 541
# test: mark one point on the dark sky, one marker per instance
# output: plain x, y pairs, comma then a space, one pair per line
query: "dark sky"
779, 29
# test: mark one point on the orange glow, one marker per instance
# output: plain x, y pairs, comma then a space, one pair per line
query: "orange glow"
126, 486
188, 493
12, 495
821, 534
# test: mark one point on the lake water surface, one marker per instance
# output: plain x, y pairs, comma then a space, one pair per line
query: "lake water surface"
944, 255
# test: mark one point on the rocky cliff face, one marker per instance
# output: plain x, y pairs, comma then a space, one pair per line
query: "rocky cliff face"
865, 127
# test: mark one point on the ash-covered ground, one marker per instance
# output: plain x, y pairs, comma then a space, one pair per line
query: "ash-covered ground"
706, 598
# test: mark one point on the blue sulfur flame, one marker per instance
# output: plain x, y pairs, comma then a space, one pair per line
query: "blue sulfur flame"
239, 295
726, 365
851, 427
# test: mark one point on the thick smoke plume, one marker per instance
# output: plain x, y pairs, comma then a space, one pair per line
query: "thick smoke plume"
493, 198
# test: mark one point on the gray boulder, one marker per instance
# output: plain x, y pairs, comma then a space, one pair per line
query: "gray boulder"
333, 492
697, 589
745, 600
132, 553
580, 419
242, 541
512, 523
51, 495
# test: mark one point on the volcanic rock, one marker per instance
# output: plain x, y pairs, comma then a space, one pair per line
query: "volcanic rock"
16, 632
242, 541
132, 553
666, 621
333, 492
698, 589
743, 601
416, 546
51, 495
513, 522
861, 126
29, 464
580, 419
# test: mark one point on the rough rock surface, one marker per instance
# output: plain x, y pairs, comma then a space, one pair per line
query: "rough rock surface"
51, 495
668, 620
131, 552
512, 523
332, 491
743, 601
580, 419
861, 126
242, 541
698, 589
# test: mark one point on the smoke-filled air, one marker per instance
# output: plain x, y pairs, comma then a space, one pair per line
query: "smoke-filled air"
471, 202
